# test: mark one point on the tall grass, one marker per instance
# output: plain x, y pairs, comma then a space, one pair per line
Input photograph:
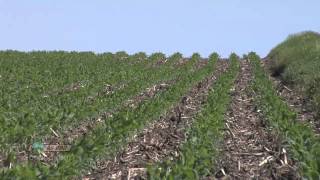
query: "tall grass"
297, 62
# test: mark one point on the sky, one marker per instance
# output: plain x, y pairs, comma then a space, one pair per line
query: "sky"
167, 26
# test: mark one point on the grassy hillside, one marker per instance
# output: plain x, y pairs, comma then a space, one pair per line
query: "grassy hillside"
297, 62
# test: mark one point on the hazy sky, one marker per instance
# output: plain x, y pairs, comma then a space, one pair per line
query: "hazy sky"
168, 26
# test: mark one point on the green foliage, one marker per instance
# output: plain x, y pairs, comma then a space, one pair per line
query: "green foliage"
140, 56
195, 57
176, 56
304, 146
214, 56
121, 55
297, 61
197, 155
234, 56
157, 57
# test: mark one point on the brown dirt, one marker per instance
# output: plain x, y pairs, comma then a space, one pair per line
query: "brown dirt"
251, 150
160, 140
295, 101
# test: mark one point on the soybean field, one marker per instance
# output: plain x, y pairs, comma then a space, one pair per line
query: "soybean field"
81, 115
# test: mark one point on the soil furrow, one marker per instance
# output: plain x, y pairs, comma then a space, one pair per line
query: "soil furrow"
251, 150
160, 140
